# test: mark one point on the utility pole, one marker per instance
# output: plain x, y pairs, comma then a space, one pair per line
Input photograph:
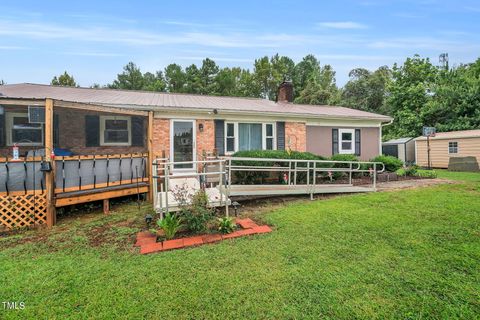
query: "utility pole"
443, 59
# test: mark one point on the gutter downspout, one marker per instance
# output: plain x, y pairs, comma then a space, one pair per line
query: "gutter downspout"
380, 137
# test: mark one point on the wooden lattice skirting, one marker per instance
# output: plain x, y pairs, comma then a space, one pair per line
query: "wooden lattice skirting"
21, 211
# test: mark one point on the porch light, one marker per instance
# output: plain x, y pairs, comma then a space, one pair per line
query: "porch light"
200, 127
235, 205
148, 219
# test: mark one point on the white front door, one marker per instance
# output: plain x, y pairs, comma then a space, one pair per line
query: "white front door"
182, 143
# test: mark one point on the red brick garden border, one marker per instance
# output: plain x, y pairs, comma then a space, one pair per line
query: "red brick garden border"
148, 241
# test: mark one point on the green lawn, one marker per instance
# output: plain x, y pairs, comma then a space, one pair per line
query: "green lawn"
411, 254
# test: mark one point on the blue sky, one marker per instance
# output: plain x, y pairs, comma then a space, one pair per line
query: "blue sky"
93, 40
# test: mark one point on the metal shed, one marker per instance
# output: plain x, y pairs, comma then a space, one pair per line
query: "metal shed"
402, 148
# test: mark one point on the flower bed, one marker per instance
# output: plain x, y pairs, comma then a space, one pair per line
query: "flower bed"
147, 241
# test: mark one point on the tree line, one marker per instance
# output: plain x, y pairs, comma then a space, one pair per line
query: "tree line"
415, 93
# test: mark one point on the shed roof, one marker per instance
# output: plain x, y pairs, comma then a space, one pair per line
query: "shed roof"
398, 141
145, 100
454, 135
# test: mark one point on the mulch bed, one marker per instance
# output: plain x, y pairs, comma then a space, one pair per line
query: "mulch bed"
147, 241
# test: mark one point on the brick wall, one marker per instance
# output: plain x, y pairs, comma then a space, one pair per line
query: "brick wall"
205, 139
295, 136
161, 138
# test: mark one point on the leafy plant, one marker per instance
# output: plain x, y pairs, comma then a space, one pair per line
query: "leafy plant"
170, 225
226, 225
255, 177
197, 214
409, 171
432, 174
391, 163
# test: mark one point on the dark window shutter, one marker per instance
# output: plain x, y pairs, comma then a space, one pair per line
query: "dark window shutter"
2, 129
280, 135
56, 132
138, 131
334, 141
357, 142
92, 131
220, 137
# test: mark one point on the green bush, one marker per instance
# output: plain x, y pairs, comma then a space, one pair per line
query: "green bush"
427, 174
255, 177
343, 157
170, 225
392, 164
409, 171
197, 215
226, 225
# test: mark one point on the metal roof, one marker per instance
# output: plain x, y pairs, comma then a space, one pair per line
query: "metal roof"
145, 100
454, 135
398, 141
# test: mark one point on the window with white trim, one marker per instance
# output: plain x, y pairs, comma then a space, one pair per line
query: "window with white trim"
269, 137
115, 131
230, 137
346, 141
452, 147
21, 132
241, 136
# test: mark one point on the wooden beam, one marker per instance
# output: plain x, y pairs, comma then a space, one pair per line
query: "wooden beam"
61, 202
150, 155
22, 102
49, 176
99, 108
106, 206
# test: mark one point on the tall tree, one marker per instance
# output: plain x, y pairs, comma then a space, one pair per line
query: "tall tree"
208, 72
305, 70
175, 78
409, 93
130, 79
64, 80
193, 82
320, 88
367, 90
154, 82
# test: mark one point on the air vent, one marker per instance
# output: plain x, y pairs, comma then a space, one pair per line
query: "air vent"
36, 114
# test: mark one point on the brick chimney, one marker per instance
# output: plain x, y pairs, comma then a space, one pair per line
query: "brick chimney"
285, 92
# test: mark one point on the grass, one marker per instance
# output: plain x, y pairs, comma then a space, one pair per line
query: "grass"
411, 254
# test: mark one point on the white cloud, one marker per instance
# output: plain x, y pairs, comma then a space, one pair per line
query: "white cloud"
137, 37
342, 25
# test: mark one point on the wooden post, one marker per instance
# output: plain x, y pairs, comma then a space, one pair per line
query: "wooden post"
106, 206
49, 176
150, 166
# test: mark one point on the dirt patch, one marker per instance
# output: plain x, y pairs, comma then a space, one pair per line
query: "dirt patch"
411, 184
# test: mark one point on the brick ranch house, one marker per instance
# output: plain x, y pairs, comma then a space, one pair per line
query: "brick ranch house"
186, 126
79, 145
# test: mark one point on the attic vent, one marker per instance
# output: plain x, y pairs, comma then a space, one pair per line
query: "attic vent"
36, 114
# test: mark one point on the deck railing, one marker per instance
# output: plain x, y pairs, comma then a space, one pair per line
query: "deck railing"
78, 173
163, 171
312, 168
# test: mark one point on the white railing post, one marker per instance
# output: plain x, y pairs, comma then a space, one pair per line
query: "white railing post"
350, 174
374, 177
154, 185
167, 174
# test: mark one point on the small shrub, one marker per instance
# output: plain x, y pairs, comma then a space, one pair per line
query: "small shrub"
342, 157
409, 171
256, 177
226, 225
170, 225
392, 164
197, 215
427, 174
